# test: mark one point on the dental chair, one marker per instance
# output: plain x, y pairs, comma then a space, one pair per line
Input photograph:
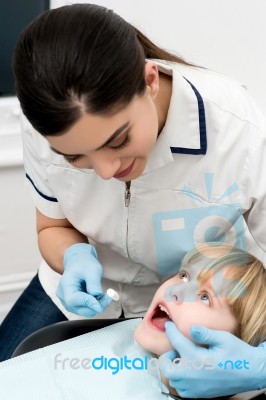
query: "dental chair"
61, 331
69, 329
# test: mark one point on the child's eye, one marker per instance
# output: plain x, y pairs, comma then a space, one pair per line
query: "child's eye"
205, 298
184, 276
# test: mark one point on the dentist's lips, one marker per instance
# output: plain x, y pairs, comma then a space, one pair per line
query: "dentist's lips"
125, 172
159, 317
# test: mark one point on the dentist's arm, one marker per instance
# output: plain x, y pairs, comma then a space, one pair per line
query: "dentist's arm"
219, 379
67, 252
55, 236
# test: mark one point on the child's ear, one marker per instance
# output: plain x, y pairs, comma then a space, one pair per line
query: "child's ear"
151, 74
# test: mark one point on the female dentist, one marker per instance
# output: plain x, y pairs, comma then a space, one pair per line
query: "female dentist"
134, 156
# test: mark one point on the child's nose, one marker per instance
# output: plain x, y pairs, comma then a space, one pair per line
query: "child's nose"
181, 293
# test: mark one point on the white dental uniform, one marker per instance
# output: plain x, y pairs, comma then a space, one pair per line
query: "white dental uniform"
204, 181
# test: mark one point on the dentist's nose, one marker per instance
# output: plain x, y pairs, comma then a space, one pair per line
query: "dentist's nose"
106, 168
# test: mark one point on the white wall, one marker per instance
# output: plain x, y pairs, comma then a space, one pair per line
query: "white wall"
19, 254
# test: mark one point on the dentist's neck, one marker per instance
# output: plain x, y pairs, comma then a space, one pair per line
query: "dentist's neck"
163, 98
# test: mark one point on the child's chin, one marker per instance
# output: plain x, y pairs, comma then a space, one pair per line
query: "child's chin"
158, 350
139, 336
164, 349
151, 344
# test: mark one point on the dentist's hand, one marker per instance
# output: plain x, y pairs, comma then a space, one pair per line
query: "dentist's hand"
80, 288
217, 380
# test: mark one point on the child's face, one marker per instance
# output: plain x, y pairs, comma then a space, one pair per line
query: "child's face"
186, 302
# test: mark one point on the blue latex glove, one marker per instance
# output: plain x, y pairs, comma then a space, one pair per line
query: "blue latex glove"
218, 381
80, 288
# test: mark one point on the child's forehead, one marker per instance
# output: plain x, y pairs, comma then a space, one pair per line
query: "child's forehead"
220, 281
204, 271
196, 267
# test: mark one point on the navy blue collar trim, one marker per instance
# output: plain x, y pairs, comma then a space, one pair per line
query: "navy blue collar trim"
202, 127
40, 193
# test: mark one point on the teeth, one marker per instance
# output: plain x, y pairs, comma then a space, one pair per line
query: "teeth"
164, 309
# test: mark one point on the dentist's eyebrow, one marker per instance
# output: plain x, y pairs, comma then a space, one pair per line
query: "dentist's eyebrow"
109, 140
62, 154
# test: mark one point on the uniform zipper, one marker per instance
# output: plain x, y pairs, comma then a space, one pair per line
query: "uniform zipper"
127, 201
127, 193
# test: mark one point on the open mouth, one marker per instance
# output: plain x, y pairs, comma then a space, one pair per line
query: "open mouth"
159, 317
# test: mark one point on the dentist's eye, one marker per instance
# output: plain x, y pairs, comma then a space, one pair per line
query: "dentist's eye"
72, 159
184, 276
117, 146
205, 298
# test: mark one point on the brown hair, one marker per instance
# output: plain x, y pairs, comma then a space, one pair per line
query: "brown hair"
76, 59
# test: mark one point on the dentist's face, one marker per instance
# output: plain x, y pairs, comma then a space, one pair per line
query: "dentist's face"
186, 302
118, 145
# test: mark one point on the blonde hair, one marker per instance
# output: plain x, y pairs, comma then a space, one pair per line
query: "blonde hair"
245, 290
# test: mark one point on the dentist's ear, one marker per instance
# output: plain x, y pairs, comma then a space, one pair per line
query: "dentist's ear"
151, 74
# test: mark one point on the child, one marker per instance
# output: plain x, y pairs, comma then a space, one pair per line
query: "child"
217, 287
